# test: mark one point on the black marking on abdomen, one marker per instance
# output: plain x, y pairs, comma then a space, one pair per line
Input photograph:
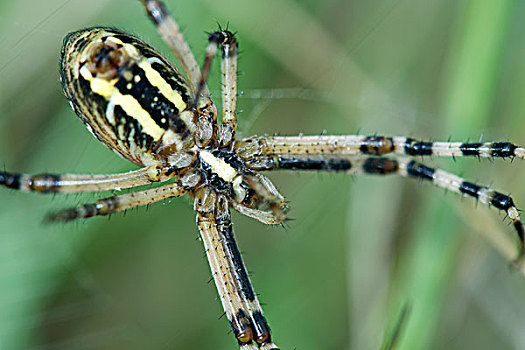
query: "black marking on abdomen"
418, 148
174, 79
130, 124
166, 70
80, 43
93, 101
148, 96
421, 171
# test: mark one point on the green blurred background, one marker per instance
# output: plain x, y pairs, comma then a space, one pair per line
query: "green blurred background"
358, 250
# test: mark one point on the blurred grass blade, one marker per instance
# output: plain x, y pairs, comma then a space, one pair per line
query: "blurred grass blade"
393, 333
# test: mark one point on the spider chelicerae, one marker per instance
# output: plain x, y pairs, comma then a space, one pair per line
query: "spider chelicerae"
132, 99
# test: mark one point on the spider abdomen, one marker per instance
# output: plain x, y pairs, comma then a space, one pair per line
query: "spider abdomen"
126, 93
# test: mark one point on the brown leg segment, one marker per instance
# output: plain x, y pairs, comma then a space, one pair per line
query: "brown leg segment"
73, 183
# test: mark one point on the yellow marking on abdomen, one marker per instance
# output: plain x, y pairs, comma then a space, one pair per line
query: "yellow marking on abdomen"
158, 81
128, 103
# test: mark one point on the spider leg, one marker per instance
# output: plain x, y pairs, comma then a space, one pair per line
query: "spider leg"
256, 196
230, 56
230, 52
170, 32
72, 183
377, 145
484, 194
237, 296
265, 217
110, 205
403, 166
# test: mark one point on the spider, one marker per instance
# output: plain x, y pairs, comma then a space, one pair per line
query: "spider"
134, 101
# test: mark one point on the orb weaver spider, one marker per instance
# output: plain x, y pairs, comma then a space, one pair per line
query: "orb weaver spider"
195, 155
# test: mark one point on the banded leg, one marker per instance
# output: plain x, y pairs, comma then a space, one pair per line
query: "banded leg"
110, 205
405, 167
72, 183
377, 145
451, 182
259, 325
229, 273
170, 32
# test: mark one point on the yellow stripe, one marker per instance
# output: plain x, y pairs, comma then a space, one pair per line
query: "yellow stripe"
128, 103
158, 81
